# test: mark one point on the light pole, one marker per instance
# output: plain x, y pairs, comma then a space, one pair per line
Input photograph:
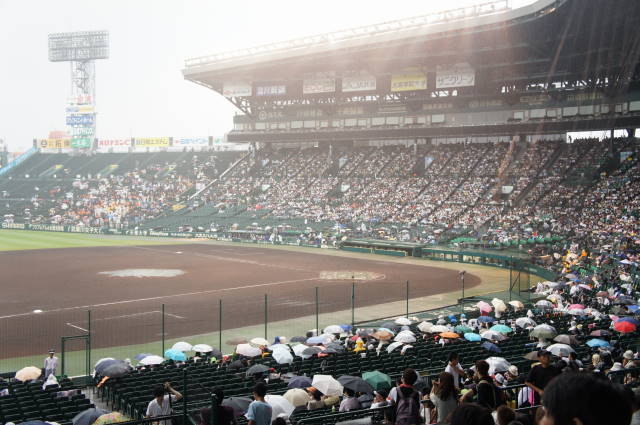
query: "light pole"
462, 273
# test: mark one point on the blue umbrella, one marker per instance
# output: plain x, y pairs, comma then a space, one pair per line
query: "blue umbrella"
473, 337
633, 308
597, 343
175, 355
299, 382
142, 356
491, 347
630, 320
501, 328
346, 328
316, 340
486, 319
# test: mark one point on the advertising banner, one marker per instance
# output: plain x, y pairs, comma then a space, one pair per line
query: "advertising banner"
81, 142
358, 81
54, 143
112, 143
273, 90
80, 109
191, 141
81, 119
236, 89
409, 80
457, 75
151, 142
318, 85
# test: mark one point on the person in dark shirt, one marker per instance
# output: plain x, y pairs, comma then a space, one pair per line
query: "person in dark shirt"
225, 413
540, 375
484, 390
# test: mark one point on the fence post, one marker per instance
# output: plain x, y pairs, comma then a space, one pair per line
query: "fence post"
220, 324
266, 316
317, 308
407, 299
353, 304
88, 356
162, 329
184, 395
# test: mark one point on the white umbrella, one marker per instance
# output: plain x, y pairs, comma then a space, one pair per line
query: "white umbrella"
425, 327
275, 347
298, 349
544, 305
523, 322
279, 406
182, 346
296, 396
439, 329
402, 321
327, 385
497, 364
202, 348
333, 329
499, 305
248, 350
152, 360
555, 298
257, 342
405, 338
516, 304
493, 335
393, 346
282, 356
560, 350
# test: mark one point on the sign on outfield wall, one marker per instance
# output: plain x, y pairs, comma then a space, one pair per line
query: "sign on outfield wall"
409, 80
319, 83
457, 75
191, 141
113, 143
54, 144
273, 90
358, 81
151, 142
236, 89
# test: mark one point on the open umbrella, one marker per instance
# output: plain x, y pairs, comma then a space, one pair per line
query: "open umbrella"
544, 305
333, 329
355, 383
310, 352
624, 327
533, 356
298, 339
593, 343
202, 348
462, 329
327, 385
299, 382
248, 350
182, 346
566, 339
473, 337
152, 360
493, 335
405, 337
425, 327
28, 373
449, 335
491, 347
575, 307
439, 329
240, 405
560, 350
600, 332
484, 307
402, 321
320, 339
497, 364
280, 406
282, 356
630, 320
544, 331
378, 380
518, 305
499, 305
524, 322
486, 319
89, 416
111, 418
102, 363
297, 396
335, 348
382, 335
503, 329
116, 370
257, 369
257, 342
393, 346
175, 355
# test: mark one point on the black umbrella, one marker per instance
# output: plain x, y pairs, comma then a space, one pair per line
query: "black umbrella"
298, 339
216, 353
356, 384
299, 382
533, 356
240, 405
364, 332
88, 416
335, 348
257, 369
237, 364
102, 365
116, 370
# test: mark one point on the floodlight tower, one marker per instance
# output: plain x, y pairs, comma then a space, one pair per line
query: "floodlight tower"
81, 49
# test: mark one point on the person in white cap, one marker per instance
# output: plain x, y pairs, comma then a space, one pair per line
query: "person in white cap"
627, 359
50, 364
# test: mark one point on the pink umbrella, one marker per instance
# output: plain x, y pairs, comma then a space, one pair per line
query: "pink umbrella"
576, 307
484, 307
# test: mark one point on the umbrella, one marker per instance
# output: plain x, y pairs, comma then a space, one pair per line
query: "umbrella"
138, 357
320, 339
600, 332
602, 294
499, 305
555, 298
102, 363
449, 335
257, 369
402, 321
335, 348
425, 327
516, 304
497, 364
533, 356
597, 343
28, 373
630, 320
116, 370
544, 305
484, 307
111, 418
571, 276
89, 416
182, 346
247, 350
560, 350
280, 406
503, 329
470, 336
364, 332
298, 339
566, 339
240, 405
544, 331
382, 335
356, 383
282, 356
523, 322
439, 329
393, 346
575, 307
257, 342
624, 327
297, 397
327, 385
298, 349
405, 337
378, 380
333, 329
462, 329
299, 382
236, 341
310, 351
486, 319
175, 355
491, 347
202, 348
152, 360
493, 335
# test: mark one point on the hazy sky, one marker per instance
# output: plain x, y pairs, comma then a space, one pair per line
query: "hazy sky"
140, 89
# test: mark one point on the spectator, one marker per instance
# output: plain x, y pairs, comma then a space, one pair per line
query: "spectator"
164, 395
485, 391
350, 402
407, 400
380, 399
444, 396
541, 374
259, 412
471, 414
225, 413
505, 415
315, 400
454, 369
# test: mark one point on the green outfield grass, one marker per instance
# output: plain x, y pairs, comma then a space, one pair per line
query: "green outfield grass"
16, 240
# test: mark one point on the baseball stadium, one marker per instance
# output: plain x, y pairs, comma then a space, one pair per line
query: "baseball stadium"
420, 208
